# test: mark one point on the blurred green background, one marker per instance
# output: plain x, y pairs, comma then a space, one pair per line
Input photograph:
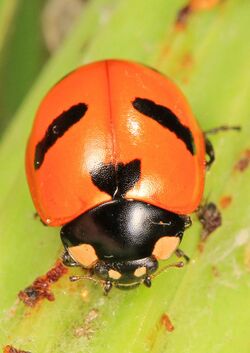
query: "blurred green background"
203, 45
31, 31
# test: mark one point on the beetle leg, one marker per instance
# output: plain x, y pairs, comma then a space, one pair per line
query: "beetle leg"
36, 216
180, 253
209, 152
222, 128
208, 144
107, 287
187, 222
67, 260
147, 281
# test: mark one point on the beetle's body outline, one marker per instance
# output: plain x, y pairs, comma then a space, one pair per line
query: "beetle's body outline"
116, 137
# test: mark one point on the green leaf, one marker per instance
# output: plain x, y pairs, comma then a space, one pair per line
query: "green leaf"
208, 300
7, 12
22, 53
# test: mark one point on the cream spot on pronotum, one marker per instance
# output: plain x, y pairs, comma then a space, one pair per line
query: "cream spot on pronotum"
165, 247
84, 254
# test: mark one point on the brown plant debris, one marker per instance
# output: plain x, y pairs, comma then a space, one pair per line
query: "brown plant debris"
215, 271
193, 6
210, 218
166, 322
225, 201
243, 163
11, 349
40, 288
87, 329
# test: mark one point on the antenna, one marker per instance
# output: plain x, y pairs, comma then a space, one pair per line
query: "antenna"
222, 128
78, 278
163, 269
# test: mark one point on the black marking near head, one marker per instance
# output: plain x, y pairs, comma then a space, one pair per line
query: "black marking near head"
116, 180
57, 129
122, 229
167, 119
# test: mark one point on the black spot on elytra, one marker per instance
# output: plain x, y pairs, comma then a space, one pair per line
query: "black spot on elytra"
57, 129
116, 180
166, 118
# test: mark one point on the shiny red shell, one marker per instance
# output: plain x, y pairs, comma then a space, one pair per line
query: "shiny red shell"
113, 131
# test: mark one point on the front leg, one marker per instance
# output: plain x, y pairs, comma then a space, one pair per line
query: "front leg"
68, 260
209, 146
180, 253
209, 153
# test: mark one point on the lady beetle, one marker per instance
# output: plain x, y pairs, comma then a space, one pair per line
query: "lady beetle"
117, 159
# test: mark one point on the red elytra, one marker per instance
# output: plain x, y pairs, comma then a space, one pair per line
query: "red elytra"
113, 131
117, 159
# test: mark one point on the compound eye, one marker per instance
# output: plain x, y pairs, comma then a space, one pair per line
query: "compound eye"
165, 247
84, 254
